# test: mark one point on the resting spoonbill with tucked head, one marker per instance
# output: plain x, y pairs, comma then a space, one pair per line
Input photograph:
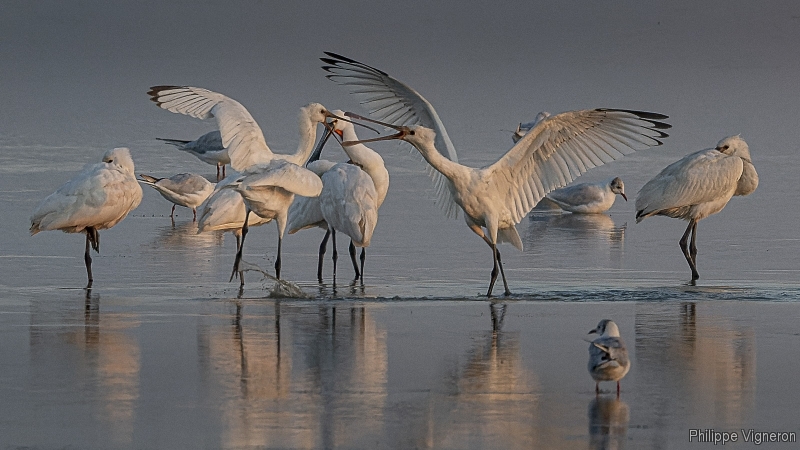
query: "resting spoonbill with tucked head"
696, 186
588, 198
495, 198
96, 199
268, 181
207, 148
608, 356
184, 189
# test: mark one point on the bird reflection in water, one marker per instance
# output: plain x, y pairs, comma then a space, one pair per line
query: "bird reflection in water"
490, 397
333, 290
694, 359
608, 423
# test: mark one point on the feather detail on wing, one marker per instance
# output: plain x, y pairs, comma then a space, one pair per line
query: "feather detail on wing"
392, 101
240, 133
283, 174
562, 147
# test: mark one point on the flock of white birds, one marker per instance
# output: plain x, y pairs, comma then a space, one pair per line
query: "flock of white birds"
302, 191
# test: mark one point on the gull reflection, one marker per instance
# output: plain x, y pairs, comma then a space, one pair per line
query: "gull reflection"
608, 423
490, 398
580, 238
695, 362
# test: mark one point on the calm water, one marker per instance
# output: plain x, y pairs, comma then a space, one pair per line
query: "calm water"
165, 353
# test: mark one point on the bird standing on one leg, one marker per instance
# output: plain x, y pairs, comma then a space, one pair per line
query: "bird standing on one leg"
697, 186
96, 199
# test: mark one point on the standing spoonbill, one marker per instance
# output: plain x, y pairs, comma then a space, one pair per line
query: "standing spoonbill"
268, 181
225, 210
495, 198
696, 186
184, 189
588, 198
351, 195
207, 148
96, 199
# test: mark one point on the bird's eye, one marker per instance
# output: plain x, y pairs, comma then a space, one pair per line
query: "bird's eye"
110, 160
725, 147
411, 132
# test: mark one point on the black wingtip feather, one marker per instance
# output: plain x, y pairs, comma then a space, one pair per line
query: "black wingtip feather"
337, 58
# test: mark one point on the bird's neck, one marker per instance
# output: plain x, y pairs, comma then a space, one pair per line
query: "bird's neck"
450, 169
370, 161
308, 134
748, 182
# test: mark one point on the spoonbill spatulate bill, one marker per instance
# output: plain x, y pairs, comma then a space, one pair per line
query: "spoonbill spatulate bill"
554, 152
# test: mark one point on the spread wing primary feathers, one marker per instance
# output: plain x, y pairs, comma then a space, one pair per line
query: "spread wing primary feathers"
393, 101
240, 133
562, 147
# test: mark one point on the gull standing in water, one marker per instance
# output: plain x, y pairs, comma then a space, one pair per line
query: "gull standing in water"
697, 186
495, 198
184, 189
96, 199
608, 356
268, 181
207, 148
588, 198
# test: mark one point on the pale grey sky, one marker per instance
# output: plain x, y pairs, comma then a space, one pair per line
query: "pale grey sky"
73, 69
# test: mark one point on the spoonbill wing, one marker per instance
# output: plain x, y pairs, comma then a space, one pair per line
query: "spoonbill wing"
562, 147
240, 133
291, 177
393, 101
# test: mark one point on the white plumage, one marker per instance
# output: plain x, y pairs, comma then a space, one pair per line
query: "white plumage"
96, 199
608, 356
351, 195
268, 181
697, 186
184, 189
495, 198
207, 148
588, 198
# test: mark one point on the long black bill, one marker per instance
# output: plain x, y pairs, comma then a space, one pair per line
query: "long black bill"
320, 144
402, 131
330, 114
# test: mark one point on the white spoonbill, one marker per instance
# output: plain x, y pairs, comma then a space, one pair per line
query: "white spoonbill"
608, 356
588, 198
207, 148
351, 195
225, 210
697, 186
96, 199
495, 198
184, 189
267, 184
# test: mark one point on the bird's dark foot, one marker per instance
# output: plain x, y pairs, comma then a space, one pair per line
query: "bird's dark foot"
507, 293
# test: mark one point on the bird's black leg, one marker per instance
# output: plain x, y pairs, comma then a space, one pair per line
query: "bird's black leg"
335, 255
693, 244
278, 259
322, 248
194, 214
502, 272
352, 250
363, 257
684, 243
217, 171
241, 273
241, 245
172, 213
494, 270
87, 258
